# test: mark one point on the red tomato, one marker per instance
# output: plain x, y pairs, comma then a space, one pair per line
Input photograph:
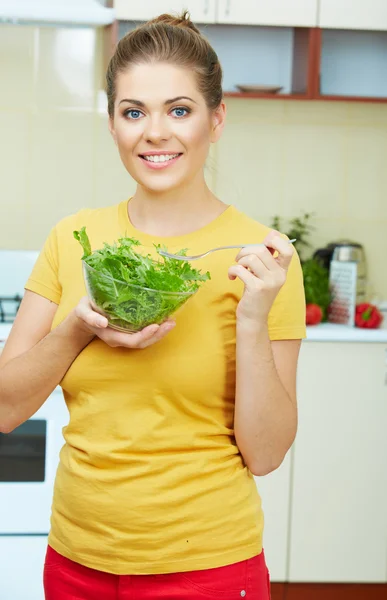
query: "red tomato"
314, 314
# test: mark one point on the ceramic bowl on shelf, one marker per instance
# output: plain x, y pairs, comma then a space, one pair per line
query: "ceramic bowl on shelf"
259, 89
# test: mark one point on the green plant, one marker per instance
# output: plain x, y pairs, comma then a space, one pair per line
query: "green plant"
115, 269
316, 284
316, 277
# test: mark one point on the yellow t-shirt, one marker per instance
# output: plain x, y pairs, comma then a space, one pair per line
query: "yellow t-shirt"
150, 478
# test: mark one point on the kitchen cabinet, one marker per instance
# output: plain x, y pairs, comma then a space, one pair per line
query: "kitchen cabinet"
201, 11
353, 14
353, 64
274, 490
288, 13
21, 567
338, 519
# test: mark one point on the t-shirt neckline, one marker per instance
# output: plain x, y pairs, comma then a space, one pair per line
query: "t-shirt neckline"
146, 239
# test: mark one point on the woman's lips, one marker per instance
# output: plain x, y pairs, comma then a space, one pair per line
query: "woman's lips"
159, 165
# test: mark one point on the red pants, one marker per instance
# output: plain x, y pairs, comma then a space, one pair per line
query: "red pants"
68, 580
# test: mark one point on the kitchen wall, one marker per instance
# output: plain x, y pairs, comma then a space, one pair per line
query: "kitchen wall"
276, 157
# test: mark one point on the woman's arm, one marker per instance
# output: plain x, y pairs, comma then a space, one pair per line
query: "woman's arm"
35, 359
265, 421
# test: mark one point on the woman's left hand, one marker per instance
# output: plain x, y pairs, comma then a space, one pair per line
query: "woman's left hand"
263, 276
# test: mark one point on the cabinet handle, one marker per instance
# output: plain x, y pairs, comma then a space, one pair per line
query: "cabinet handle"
228, 7
206, 6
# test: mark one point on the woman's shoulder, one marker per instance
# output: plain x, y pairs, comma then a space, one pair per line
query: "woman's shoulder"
87, 217
100, 223
247, 225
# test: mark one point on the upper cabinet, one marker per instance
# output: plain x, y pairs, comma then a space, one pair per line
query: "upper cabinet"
353, 14
201, 11
283, 13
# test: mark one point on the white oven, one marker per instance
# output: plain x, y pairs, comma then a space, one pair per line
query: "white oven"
28, 462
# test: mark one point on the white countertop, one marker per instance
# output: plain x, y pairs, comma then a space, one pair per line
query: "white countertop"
4, 331
326, 332
329, 332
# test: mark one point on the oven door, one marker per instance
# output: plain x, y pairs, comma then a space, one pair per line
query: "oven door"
29, 458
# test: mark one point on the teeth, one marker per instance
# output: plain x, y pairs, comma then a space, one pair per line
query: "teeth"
160, 157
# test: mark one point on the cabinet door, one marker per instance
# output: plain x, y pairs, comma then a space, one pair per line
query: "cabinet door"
21, 567
339, 488
288, 13
201, 11
274, 490
353, 14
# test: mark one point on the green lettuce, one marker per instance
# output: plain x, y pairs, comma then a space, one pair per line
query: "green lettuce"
115, 266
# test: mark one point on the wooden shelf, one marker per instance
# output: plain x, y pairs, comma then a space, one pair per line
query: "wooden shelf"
266, 96
351, 99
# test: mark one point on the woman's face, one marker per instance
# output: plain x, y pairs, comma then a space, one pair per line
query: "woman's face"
162, 125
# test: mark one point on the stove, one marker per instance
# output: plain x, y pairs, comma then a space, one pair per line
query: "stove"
9, 305
15, 268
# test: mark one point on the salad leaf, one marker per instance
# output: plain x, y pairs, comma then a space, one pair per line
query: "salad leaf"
82, 237
134, 290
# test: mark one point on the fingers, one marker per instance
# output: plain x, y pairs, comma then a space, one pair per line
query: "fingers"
244, 275
255, 265
284, 249
98, 324
161, 331
257, 254
141, 339
85, 312
273, 242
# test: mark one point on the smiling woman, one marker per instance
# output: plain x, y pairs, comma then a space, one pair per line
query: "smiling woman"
169, 424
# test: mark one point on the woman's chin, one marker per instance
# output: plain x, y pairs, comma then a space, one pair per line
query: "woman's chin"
159, 185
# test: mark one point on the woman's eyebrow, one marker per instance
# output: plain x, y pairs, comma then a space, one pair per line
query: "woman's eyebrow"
170, 101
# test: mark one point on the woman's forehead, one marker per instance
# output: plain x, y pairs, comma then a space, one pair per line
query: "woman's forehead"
156, 82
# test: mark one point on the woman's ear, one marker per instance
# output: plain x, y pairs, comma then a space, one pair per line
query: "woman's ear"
218, 122
112, 130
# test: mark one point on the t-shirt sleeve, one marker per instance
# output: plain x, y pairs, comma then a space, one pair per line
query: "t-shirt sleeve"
287, 316
44, 276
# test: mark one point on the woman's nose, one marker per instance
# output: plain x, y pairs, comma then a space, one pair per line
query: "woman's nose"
157, 130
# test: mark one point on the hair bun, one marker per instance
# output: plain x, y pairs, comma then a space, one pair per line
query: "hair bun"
182, 21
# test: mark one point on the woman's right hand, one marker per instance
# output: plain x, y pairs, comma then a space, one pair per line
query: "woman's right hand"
92, 322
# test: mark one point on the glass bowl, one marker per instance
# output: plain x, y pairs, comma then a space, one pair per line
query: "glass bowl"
129, 307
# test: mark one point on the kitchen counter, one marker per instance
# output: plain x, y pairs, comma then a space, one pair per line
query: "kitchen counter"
5, 328
330, 332
325, 332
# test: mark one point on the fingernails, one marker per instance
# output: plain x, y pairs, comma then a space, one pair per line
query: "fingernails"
100, 323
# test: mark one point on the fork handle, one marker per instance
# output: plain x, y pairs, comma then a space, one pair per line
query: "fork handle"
245, 245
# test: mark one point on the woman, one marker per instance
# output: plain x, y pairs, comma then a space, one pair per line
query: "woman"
154, 494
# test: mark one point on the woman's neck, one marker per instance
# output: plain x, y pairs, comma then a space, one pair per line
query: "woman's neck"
174, 213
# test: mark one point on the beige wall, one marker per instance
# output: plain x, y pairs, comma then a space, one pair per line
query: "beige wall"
282, 157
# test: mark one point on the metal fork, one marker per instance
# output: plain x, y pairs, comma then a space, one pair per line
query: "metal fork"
197, 256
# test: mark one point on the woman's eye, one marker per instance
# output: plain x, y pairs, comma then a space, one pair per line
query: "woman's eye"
133, 114
180, 111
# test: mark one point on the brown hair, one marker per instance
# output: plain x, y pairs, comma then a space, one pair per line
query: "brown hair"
168, 39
